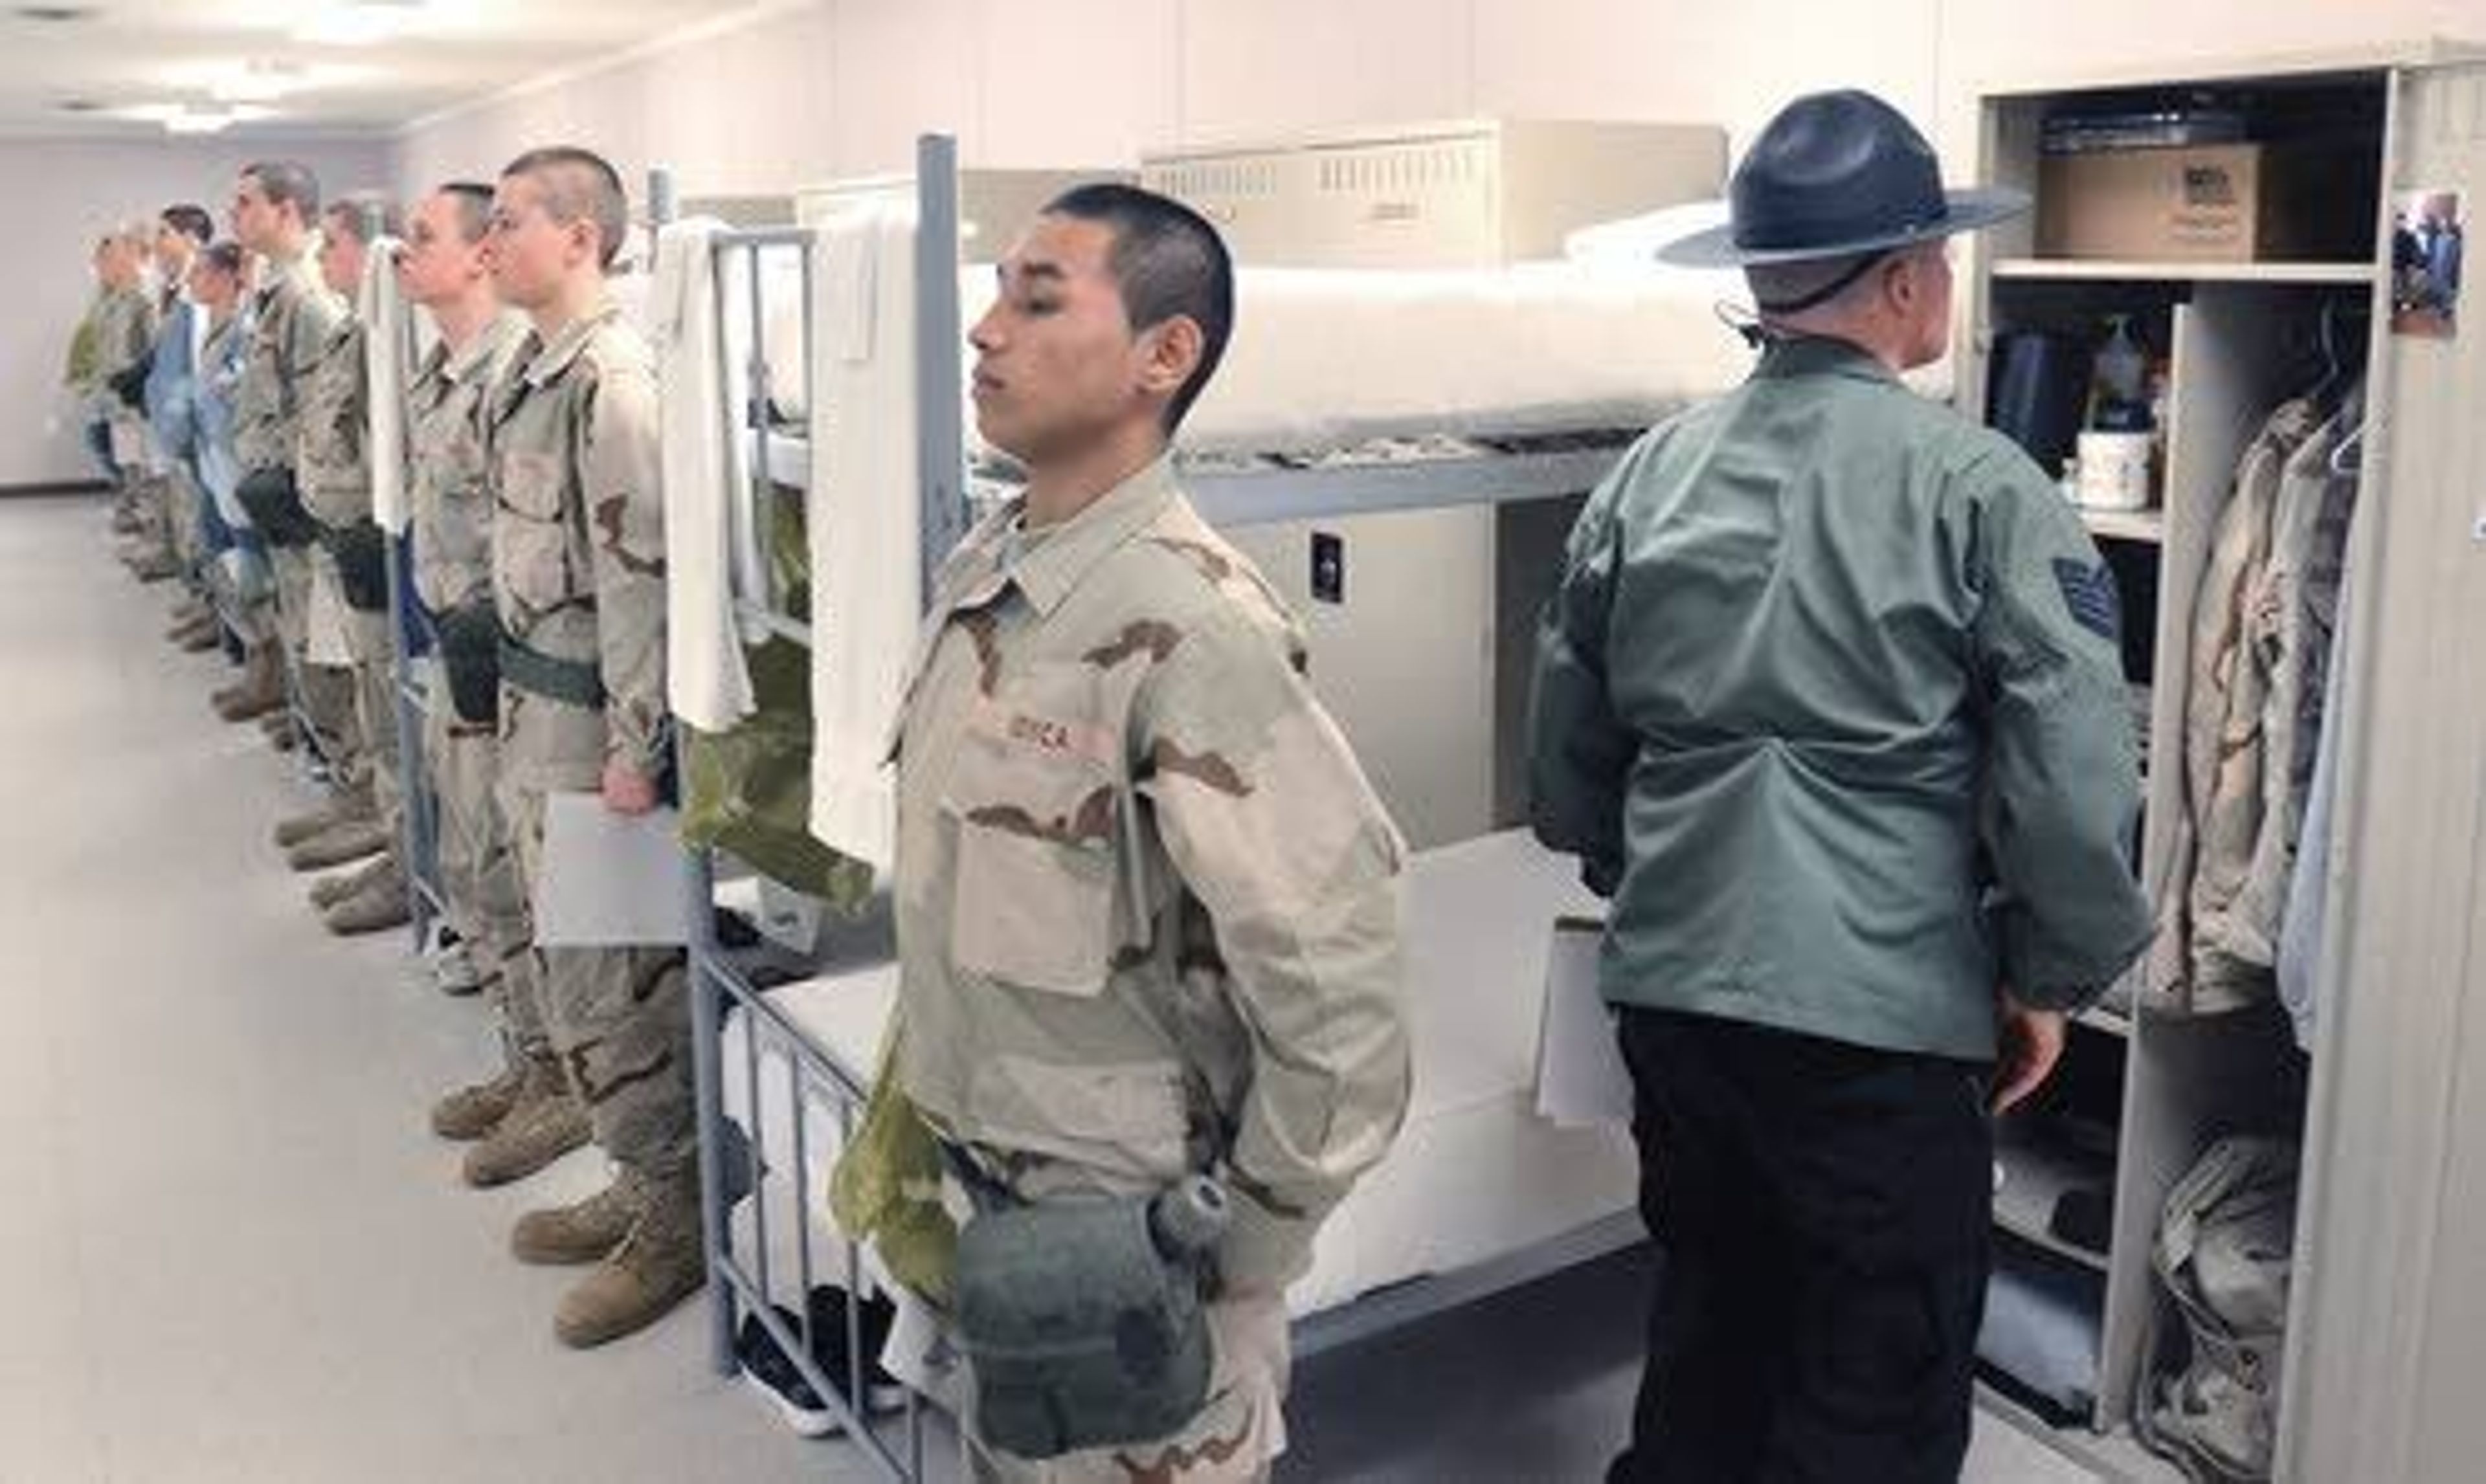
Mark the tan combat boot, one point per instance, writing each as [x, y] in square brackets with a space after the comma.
[546, 1123]
[583, 1231]
[469, 1112]
[260, 691]
[380, 905]
[345, 842]
[294, 828]
[328, 891]
[660, 1263]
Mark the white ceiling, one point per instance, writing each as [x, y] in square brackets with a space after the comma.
[123, 54]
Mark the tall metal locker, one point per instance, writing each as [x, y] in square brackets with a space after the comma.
[2387, 1316]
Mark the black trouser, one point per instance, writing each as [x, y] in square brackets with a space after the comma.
[1824, 1213]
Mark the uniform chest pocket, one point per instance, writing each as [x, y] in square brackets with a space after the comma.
[1037, 834]
[531, 538]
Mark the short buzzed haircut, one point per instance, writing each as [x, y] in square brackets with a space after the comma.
[1169, 262]
[580, 185]
[287, 181]
[365, 216]
[190, 221]
[474, 208]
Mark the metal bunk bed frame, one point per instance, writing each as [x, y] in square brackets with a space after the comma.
[717, 982]
[1226, 496]
[419, 830]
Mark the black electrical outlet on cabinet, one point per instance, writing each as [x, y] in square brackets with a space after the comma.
[1329, 567]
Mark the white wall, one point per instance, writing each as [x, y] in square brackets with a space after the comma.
[810, 92]
[61, 195]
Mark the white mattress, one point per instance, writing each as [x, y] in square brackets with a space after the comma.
[1331, 358]
[1476, 1174]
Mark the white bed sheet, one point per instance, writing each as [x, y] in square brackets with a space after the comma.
[1476, 1176]
[1331, 358]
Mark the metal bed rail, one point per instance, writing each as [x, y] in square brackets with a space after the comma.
[739, 1286]
[1231, 494]
[419, 830]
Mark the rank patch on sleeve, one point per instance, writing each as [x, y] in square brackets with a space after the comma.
[2090, 592]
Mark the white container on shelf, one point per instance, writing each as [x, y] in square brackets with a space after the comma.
[2115, 470]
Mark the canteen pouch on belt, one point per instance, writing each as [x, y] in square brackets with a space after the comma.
[361, 554]
[275, 508]
[129, 383]
[470, 652]
[1083, 1320]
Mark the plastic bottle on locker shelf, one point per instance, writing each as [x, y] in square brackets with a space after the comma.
[2115, 448]
[2122, 378]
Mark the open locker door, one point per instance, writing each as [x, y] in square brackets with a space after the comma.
[2388, 1336]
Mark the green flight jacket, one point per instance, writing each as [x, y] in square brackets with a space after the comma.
[1831, 703]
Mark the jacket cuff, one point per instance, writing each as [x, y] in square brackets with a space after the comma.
[2044, 980]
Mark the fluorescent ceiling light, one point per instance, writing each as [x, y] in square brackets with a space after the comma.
[360, 22]
[257, 82]
[187, 118]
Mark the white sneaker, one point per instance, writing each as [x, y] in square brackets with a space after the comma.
[453, 965]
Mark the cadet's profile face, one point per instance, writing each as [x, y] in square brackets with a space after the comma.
[530, 254]
[211, 286]
[173, 250]
[256, 219]
[438, 262]
[341, 258]
[1056, 361]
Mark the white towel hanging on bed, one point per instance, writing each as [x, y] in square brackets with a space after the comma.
[865, 531]
[704, 473]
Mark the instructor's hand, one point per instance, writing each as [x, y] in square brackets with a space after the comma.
[2031, 1043]
[626, 791]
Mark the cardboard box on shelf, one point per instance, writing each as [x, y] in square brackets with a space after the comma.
[2202, 204]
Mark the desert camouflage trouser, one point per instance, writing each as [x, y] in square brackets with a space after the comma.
[325, 693]
[478, 865]
[618, 1019]
[177, 498]
[372, 765]
[146, 490]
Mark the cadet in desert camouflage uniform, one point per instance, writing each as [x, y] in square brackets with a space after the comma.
[293, 314]
[124, 334]
[578, 575]
[525, 1117]
[334, 470]
[1147, 905]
